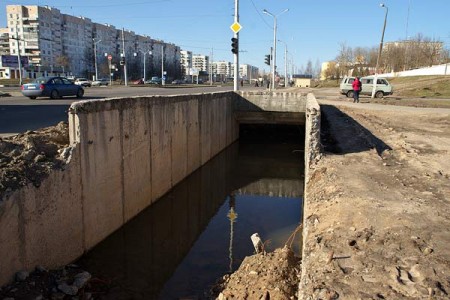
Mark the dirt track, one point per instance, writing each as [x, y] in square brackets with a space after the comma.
[378, 218]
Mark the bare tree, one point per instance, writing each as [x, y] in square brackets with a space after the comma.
[317, 69]
[344, 59]
[309, 68]
[64, 62]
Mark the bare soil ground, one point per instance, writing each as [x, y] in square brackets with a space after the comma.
[378, 217]
[29, 157]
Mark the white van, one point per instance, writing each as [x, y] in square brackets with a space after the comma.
[383, 87]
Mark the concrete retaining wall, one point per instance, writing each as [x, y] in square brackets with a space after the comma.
[313, 150]
[313, 147]
[126, 153]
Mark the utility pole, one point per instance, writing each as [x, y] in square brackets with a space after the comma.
[124, 57]
[211, 67]
[18, 54]
[236, 55]
[375, 79]
[95, 56]
[163, 77]
[274, 42]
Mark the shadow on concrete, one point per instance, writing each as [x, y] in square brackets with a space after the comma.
[341, 134]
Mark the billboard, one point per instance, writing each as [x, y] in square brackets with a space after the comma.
[12, 61]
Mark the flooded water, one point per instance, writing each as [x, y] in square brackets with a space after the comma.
[200, 230]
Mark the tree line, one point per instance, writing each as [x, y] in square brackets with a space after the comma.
[414, 53]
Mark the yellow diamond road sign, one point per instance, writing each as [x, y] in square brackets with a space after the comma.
[236, 27]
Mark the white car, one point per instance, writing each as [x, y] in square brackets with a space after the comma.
[83, 82]
[100, 82]
[384, 88]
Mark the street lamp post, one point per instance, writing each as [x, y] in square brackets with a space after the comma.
[274, 60]
[145, 54]
[285, 63]
[95, 56]
[375, 79]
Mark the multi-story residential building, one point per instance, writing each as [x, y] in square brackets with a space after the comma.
[77, 45]
[186, 62]
[56, 42]
[221, 70]
[200, 63]
[248, 72]
[4, 41]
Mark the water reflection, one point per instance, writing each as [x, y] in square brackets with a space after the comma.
[201, 229]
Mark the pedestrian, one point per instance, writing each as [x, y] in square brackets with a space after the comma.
[268, 84]
[356, 89]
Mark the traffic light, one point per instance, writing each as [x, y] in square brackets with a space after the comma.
[267, 61]
[234, 45]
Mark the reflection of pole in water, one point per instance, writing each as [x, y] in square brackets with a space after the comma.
[232, 216]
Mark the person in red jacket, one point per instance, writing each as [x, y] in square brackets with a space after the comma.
[356, 89]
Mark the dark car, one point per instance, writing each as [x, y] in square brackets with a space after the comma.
[53, 87]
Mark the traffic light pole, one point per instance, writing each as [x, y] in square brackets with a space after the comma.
[236, 55]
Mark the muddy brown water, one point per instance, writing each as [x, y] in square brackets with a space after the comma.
[200, 230]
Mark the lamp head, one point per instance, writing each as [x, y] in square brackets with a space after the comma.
[382, 5]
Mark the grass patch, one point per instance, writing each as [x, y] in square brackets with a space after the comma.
[328, 83]
[422, 86]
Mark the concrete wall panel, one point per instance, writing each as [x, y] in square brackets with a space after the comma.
[193, 136]
[179, 141]
[12, 252]
[162, 116]
[53, 218]
[102, 171]
[205, 129]
[136, 133]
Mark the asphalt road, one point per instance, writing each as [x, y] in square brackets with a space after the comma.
[19, 114]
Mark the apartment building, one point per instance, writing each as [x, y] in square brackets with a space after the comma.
[4, 41]
[186, 62]
[200, 63]
[221, 70]
[60, 43]
[248, 72]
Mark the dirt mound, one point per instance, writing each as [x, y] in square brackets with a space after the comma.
[263, 276]
[29, 157]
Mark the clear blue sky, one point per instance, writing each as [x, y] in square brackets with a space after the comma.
[312, 29]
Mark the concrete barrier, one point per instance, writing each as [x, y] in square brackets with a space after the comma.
[313, 152]
[125, 154]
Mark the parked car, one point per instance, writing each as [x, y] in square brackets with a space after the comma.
[53, 87]
[177, 81]
[383, 87]
[83, 82]
[139, 81]
[154, 80]
[100, 82]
